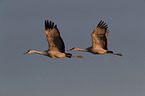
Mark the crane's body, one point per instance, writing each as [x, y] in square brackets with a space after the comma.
[99, 41]
[55, 42]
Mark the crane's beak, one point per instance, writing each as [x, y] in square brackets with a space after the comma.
[25, 53]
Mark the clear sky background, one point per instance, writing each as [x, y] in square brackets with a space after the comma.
[22, 28]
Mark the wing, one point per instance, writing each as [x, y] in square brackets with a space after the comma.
[100, 36]
[55, 42]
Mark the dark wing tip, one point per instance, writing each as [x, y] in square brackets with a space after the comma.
[49, 24]
[55, 26]
[102, 25]
[99, 23]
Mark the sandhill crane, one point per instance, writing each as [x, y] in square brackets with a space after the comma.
[55, 42]
[99, 41]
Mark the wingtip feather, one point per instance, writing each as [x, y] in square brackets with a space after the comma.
[49, 24]
[102, 25]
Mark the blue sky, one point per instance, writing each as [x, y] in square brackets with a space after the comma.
[22, 28]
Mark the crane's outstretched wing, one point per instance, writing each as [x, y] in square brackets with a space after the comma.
[55, 42]
[100, 36]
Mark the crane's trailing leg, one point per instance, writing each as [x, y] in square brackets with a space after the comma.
[111, 52]
[69, 55]
[119, 54]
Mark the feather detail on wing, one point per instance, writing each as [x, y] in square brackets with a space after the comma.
[55, 42]
[100, 36]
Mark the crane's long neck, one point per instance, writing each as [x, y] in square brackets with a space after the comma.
[38, 52]
[84, 50]
[34, 51]
[78, 49]
[119, 54]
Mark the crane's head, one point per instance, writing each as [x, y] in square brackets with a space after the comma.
[29, 51]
